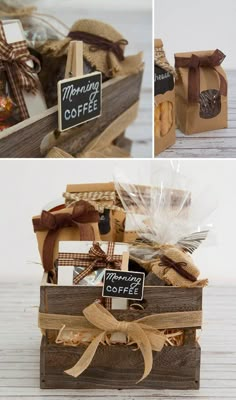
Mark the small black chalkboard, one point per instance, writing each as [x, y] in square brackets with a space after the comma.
[163, 81]
[79, 100]
[125, 284]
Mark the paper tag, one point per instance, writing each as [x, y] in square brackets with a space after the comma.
[124, 284]
[79, 100]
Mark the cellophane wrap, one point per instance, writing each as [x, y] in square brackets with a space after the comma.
[167, 209]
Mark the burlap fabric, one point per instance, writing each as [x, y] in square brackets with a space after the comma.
[102, 60]
[174, 277]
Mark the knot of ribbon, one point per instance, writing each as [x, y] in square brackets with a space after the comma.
[14, 58]
[147, 337]
[194, 63]
[98, 322]
[177, 266]
[100, 43]
[82, 214]
[96, 258]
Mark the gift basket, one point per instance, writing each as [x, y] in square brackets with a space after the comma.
[121, 297]
[31, 100]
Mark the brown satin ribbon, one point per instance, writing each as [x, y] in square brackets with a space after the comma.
[83, 214]
[177, 266]
[100, 43]
[13, 60]
[194, 63]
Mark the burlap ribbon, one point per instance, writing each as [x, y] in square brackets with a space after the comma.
[96, 258]
[194, 63]
[169, 263]
[83, 214]
[13, 60]
[99, 322]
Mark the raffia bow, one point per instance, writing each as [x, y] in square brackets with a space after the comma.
[82, 214]
[96, 258]
[99, 322]
[13, 59]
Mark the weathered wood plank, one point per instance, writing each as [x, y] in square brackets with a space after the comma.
[119, 367]
[24, 139]
[71, 300]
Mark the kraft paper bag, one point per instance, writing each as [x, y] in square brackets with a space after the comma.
[201, 91]
[164, 99]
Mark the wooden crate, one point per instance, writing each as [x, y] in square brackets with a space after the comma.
[35, 137]
[117, 366]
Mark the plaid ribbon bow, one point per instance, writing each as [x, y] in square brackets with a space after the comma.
[96, 258]
[13, 60]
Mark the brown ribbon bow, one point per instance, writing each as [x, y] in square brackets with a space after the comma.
[100, 43]
[96, 258]
[177, 266]
[13, 59]
[194, 63]
[83, 214]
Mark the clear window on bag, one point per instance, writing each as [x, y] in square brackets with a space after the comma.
[163, 118]
[210, 103]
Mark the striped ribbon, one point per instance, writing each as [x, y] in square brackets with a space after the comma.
[192, 242]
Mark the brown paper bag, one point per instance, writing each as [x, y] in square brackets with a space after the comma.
[62, 234]
[111, 224]
[201, 91]
[164, 98]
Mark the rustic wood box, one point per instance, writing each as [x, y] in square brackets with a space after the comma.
[117, 366]
[35, 137]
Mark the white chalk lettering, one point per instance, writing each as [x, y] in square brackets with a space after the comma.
[71, 91]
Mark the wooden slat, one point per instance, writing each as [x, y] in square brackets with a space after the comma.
[71, 300]
[24, 139]
[114, 367]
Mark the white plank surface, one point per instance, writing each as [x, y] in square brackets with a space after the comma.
[20, 341]
[136, 26]
[213, 144]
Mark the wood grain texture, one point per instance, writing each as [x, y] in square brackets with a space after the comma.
[31, 133]
[213, 144]
[119, 367]
[20, 341]
[71, 300]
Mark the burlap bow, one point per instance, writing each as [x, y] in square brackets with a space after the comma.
[100, 322]
[194, 63]
[83, 214]
[13, 59]
[96, 258]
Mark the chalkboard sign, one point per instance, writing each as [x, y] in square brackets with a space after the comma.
[163, 81]
[79, 100]
[125, 284]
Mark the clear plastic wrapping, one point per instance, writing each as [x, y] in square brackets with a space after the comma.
[164, 214]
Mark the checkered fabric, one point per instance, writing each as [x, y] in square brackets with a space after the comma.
[21, 76]
[96, 258]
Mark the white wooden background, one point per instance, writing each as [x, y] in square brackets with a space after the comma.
[20, 341]
[135, 23]
[213, 144]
